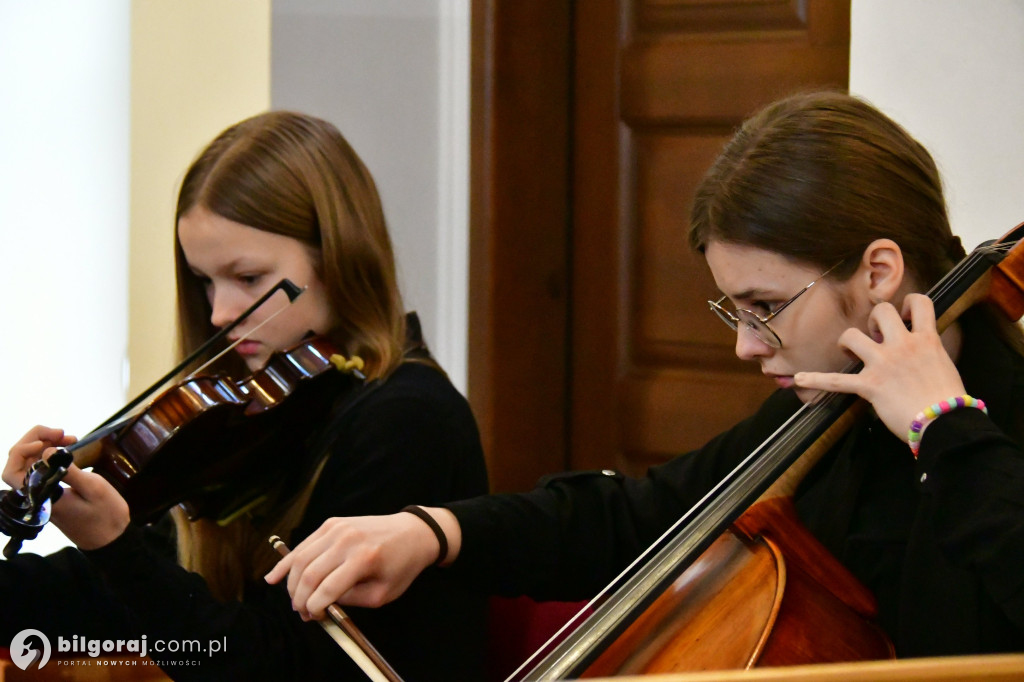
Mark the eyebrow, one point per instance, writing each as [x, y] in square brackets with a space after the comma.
[235, 265]
[749, 294]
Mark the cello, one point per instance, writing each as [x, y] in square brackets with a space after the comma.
[711, 591]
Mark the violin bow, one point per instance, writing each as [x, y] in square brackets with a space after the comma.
[291, 289]
[24, 512]
[115, 421]
[352, 641]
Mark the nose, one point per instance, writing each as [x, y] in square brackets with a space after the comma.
[224, 308]
[748, 346]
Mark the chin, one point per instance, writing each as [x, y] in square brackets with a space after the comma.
[254, 363]
[806, 395]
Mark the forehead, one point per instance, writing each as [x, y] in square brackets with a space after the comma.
[211, 242]
[741, 270]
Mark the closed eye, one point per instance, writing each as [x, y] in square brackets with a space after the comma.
[763, 308]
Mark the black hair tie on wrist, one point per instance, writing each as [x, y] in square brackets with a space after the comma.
[442, 541]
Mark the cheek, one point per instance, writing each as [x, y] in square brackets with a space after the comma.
[321, 312]
[816, 339]
[308, 313]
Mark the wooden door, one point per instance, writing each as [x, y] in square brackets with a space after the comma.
[591, 342]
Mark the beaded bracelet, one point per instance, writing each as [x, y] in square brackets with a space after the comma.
[932, 411]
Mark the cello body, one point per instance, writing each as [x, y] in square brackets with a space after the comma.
[737, 581]
[750, 601]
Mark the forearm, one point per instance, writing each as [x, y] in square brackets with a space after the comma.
[972, 475]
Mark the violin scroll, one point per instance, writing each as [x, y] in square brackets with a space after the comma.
[24, 512]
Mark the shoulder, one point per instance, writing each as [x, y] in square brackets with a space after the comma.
[416, 386]
[415, 401]
[409, 439]
[709, 463]
[993, 370]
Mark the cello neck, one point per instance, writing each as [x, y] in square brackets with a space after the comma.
[773, 469]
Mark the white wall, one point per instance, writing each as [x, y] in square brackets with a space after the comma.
[952, 73]
[64, 75]
[393, 75]
[197, 67]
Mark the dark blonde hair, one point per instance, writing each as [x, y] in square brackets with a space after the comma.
[293, 175]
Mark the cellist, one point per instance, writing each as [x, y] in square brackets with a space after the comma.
[278, 195]
[821, 221]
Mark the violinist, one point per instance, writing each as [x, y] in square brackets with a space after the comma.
[279, 195]
[821, 221]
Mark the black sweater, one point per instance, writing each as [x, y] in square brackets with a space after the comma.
[412, 440]
[940, 540]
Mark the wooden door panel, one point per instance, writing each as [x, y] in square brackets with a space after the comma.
[519, 236]
[682, 77]
[720, 15]
[666, 325]
[681, 82]
[682, 381]
[667, 412]
[591, 344]
[705, 60]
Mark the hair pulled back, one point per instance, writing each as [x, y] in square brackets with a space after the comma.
[817, 177]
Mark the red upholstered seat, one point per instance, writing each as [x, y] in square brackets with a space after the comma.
[520, 626]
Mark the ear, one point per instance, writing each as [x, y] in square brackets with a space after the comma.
[882, 270]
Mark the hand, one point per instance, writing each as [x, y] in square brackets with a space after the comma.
[904, 372]
[361, 561]
[91, 513]
[40, 441]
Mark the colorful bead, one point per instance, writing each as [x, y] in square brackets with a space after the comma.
[931, 412]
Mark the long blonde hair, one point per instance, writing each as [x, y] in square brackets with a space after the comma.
[294, 175]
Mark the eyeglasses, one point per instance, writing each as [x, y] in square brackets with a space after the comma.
[758, 325]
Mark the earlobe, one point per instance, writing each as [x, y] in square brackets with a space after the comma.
[882, 264]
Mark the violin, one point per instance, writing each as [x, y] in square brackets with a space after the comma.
[161, 455]
[710, 592]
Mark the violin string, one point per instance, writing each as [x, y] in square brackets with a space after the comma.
[112, 426]
[286, 285]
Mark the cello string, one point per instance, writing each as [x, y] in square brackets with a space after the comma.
[754, 467]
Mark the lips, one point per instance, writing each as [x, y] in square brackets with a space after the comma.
[248, 348]
[782, 380]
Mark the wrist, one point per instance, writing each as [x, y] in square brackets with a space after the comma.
[922, 420]
[443, 527]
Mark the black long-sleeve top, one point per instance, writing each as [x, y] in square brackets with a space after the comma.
[939, 540]
[412, 440]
